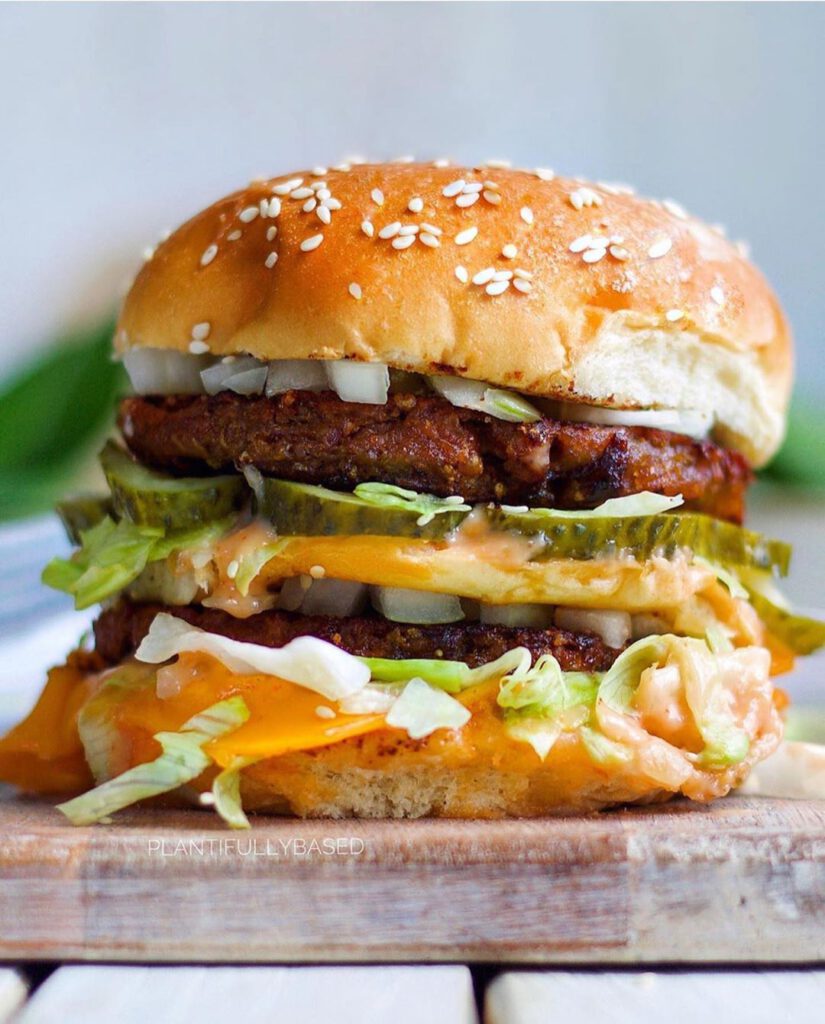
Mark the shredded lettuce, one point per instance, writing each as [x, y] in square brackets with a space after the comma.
[475, 394]
[539, 733]
[226, 792]
[645, 503]
[112, 555]
[427, 505]
[729, 579]
[603, 750]
[544, 691]
[618, 685]
[251, 563]
[421, 709]
[183, 759]
[315, 664]
[451, 676]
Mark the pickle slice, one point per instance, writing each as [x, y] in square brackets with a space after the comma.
[148, 498]
[645, 536]
[799, 632]
[309, 511]
[82, 513]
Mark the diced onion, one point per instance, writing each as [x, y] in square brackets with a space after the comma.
[293, 591]
[475, 394]
[155, 371]
[367, 383]
[245, 376]
[647, 624]
[418, 606]
[612, 627]
[536, 616]
[691, 422]
[334, 597]
[295, 375]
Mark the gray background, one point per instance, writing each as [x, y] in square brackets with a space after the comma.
[119, 120]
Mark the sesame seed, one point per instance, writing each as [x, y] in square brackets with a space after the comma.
[232, 569]
[271, 260]
[433, 230]
[317, 572]
[717, 295]
[466, 236]
[416, 204]
[428, 239]
[367, 227]
[599, 242]
[509, 251]
[233, 236]
[390, 230]
[521, 285]
[472, 186]
[405, 159]
[310, 205]
[544, 173]
[355, 290]
[343, 167]
[332, 203]
[593, 255]
[525, 275]
[491, 185]
[584, 197]
[198, 348]
[526, 214]
[466, 199]
[503, 275]
[461, 274]
[442, 161]
[580, 244]
[263, 207]
[403, 241]
[311, 243]
[498, 163]
[377, 196]
[201, 331]
[453, 188]
[287, 186]
[492, 197]
[322, 711]
[661, 247]
[249, 214]
[274, 207]
[409, 229]
[323, 215]
[675, 208]
[209, 254]
[321, 190]
[497, 287]
[673, 315]
[618, 253]
[319, 172]
[271, 232]
[483, 276]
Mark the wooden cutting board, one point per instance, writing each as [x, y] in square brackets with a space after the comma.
[742, 880]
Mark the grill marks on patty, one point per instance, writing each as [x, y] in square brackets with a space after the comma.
[426, 444]
[119, 630]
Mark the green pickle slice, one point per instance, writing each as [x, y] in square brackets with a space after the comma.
[148, 498]
[82, 513]
[799, 632]
[304, 510]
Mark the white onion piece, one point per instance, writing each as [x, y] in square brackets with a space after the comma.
[155, 371]
[255, 479]
[612, 627]
[418, 606]
[647, 624]
[250, 382]
[475, 394]
[334, 597]
[218, 376]
[293, 592]
[367, 383]
[536, 616]
[691, 422]
[295, 375]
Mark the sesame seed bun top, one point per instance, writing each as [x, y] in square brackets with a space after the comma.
[538, 283]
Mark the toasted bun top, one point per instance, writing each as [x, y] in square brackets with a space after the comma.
[615, 300]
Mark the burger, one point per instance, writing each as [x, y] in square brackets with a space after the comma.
[428, 500]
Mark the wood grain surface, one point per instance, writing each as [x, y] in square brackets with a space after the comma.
[742, 880]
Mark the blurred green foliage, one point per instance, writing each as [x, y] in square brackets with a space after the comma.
[54, 412]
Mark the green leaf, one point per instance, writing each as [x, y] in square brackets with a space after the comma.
[182, 760]
[390, 496]
[545, 691]
[50, 414]
[226, 792]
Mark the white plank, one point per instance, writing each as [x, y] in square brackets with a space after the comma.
[215, 995]
[13, 990]
[639, 997]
